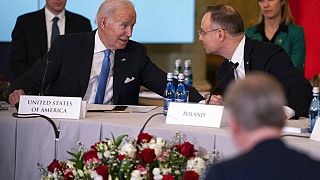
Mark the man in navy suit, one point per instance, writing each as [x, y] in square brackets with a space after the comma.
[76, 60]
[222, 33]
[255, 105]
[31, 36]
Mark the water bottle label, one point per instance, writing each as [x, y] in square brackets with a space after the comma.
[188, 82]
[312, 120]
[180, 100]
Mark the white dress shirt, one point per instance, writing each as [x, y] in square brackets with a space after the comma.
[98, 56]
[238, 57]
[61, 23]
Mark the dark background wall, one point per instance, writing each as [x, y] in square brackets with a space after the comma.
[4, 61]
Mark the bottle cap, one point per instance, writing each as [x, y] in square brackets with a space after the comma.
[187, 63]
[315, 90]
[180, 76]
[169, 75]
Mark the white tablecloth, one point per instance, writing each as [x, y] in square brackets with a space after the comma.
[25, 142]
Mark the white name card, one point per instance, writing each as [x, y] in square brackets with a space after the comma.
[196, 115]
[51, 106]
[315, 135]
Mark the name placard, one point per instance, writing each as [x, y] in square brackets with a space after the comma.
[315, 135]
[51, 106]
[196, 115]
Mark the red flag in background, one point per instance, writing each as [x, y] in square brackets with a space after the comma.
[307, 14]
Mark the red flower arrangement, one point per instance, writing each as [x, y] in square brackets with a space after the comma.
[125, 158]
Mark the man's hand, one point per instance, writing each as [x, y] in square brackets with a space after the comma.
[215, 99]
[15, 96]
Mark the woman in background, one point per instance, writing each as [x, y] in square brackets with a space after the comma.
[276, 25]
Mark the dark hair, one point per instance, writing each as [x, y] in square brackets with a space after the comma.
[227, 17]
[257, 101]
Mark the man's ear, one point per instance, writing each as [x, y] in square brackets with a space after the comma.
[104, 22]
[221, 34]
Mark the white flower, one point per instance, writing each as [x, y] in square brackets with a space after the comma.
[161, 141]
[70, 164]
[74, 171]
[107, 154]
[157, 149]
[96, 176]
[100, 155]
[80, 172]
[156, 171]
[152, 141]
[156, 174]
[128, 149]
[166, 171]
[196, 164]
[136, 175]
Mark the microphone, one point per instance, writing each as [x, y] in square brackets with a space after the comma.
[147, 121]
[233, 67]
[42, 88]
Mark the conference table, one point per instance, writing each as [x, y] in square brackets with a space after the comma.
[26, 142]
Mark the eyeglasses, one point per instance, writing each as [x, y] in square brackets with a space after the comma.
[203, 33]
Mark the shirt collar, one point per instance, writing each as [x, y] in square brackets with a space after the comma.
[50, 15]
[98, 45]
[238, 54]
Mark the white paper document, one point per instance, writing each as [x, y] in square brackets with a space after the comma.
[99, 107]
[140, 109]
[296, 126]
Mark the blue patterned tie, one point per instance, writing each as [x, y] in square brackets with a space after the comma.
[103, 77]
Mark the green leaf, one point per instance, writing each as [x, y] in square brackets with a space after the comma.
[119, 140]
[113, 137]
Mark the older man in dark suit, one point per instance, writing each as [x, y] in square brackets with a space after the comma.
[256, 117]
[222, 33]
[34, 32]
[103, 66]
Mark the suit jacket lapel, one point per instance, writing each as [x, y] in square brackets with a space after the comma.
[119, 75]
[85, 60]
[69, 23]
[280, 38]
[42, 31]
[247, 53]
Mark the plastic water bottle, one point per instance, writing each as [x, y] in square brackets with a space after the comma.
[169, 93]
[178, 68]
[187, 72]
[181, 94]
[314, 108]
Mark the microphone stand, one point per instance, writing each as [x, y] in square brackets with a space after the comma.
[147, 121]
[55, 129]
[234, 66]
[42, 91]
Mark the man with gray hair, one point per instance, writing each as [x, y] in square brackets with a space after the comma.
[222, 33]
[255, 107]
[103, 66]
